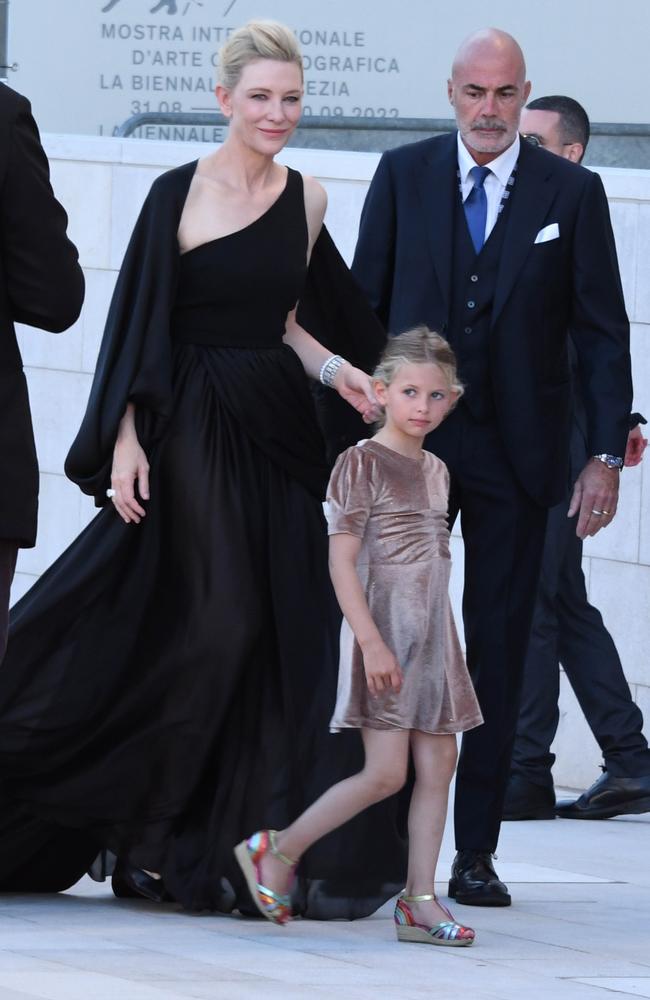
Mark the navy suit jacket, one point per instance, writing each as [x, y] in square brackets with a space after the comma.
[403, 263]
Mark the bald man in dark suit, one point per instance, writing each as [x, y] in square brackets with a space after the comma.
[502, 248]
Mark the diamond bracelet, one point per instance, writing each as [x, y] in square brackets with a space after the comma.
[329, 369]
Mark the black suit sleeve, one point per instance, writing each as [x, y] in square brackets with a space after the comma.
[44, 282]
[374, 264]
[599, 325]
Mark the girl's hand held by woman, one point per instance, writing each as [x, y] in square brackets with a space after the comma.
[355, 387]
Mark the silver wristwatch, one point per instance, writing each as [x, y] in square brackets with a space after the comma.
[611, 461]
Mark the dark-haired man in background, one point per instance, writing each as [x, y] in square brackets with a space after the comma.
[558, 124]
[566, 628]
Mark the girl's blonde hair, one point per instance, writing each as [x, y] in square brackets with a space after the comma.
[419, 346]
[256, 40]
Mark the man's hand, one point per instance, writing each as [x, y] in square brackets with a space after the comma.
[595, 496]
[636, 445]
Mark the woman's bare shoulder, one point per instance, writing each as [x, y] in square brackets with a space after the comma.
[315, 192]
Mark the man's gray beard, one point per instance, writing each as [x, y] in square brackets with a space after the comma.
[473, 141]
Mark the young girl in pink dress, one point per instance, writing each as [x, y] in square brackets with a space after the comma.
[402, 678]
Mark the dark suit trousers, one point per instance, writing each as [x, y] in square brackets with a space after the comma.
[8, 555]
[503, 533]
[568, 630]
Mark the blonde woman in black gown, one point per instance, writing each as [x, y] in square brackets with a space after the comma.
[169, 679]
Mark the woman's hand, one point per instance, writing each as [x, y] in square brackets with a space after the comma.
[355, 387]
[383, 672]
[130, 466]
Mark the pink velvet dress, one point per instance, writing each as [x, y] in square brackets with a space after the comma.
[398, 507]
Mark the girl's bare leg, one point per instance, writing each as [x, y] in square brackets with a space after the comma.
[383, 774]
[435, 761]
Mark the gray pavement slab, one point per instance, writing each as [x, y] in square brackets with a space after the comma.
[579, 928]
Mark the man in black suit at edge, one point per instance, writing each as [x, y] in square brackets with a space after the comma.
[41, 283]
[566, 627]
[502, 261]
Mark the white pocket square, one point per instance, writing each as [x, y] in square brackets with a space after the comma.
[551, 232]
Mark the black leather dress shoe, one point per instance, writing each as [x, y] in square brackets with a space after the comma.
[525, 800]
[609, 796]
[474, 881]
[128, 882]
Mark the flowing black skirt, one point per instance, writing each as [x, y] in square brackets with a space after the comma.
[168, 686]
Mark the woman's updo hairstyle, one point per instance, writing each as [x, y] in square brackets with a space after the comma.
[418, 346]
[256, 40]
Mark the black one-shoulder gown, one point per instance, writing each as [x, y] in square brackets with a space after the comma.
[168, 685]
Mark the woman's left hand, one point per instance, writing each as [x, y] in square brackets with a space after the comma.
[355, 387]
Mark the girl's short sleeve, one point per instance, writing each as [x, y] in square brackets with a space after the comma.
[350, 493]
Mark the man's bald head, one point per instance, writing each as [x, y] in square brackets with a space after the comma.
[488, 89]
[489, 44]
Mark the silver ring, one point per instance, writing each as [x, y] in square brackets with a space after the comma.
[608, 512]
[110, 494]
[599, 513]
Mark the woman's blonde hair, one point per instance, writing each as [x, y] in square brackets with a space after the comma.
[256, 40]
[419, 346]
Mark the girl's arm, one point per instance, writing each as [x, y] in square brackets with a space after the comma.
[130, 465]
[382, 669]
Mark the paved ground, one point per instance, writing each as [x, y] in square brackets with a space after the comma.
[580, 925]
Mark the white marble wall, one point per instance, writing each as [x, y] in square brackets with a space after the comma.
[102, 183]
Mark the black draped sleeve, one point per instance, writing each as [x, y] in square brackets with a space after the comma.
[135, 358]
[334, 310]
[134, 362]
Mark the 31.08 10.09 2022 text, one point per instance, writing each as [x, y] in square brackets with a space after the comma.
[336, 111]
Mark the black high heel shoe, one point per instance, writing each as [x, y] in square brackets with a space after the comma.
[128, 882]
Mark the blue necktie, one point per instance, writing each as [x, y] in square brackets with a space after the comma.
[475, 206]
